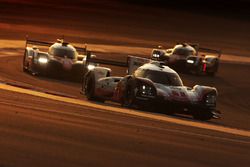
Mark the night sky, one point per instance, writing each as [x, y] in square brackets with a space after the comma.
[229, 8]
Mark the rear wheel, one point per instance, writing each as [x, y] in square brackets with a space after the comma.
[199, 69]
[89, 86]
[215, 69]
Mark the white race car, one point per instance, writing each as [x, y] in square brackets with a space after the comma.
[189, 58]
[151, 85]
[62, 59]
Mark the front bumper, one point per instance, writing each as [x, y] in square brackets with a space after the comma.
[159, 103]
[56, 69]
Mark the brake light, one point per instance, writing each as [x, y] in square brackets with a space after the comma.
[204, 67]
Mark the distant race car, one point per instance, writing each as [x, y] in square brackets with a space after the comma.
[189, 58]
[151, 85]
[62, 59]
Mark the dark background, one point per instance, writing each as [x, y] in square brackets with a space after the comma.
[229, 8]
[238, 9]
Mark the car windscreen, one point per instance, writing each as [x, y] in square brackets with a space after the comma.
[64, 52]
[183, 52]
[42, 55]
[161, 77]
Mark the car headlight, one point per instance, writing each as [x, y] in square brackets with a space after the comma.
[210, 99]
[190, 61]
[91, 67]
[43, 60]
[156, 55]
[146, 90]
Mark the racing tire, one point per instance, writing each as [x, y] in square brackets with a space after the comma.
[129, 97]
[89, 87]
[25, 68]
[215, 69]
[199, 69]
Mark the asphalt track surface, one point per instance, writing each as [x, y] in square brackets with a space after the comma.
[49, 129]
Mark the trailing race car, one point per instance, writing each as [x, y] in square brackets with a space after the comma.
[151, 85]
[62, 59]
[185, 58]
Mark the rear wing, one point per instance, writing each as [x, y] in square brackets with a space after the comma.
[197, 47]
[132, 62]
[203, 49]
[48, 44]
[208, 50]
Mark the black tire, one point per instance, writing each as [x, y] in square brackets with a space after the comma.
[215, 69]
[199, 69]
[25, 68]
[89, 87]
[129, 97]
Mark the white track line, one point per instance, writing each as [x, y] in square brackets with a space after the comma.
[217, 128]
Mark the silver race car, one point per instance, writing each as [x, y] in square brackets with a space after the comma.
[152, 85]
[189, 58]
[61, 59]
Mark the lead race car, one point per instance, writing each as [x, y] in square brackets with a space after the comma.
[152, 84]
[61, 59]
[189, 58]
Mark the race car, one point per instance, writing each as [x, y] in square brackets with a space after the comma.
[151, 85]
[189, 58]
[61, 59]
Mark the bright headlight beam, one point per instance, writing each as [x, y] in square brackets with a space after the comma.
[156, 55]
[190, 61]
[91, 67]
[42, 60]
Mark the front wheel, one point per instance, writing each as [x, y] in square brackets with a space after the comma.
[213, 71]
[89, 88]
[129, 97]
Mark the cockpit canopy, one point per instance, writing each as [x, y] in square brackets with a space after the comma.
[161, 77]
[60, 50]
[184, 50]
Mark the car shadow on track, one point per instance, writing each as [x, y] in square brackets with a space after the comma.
[175, 115]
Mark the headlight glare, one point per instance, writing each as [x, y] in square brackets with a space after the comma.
[156, 55]
[147, 90]
[190, 61]
[42, 60]
[91, 67]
